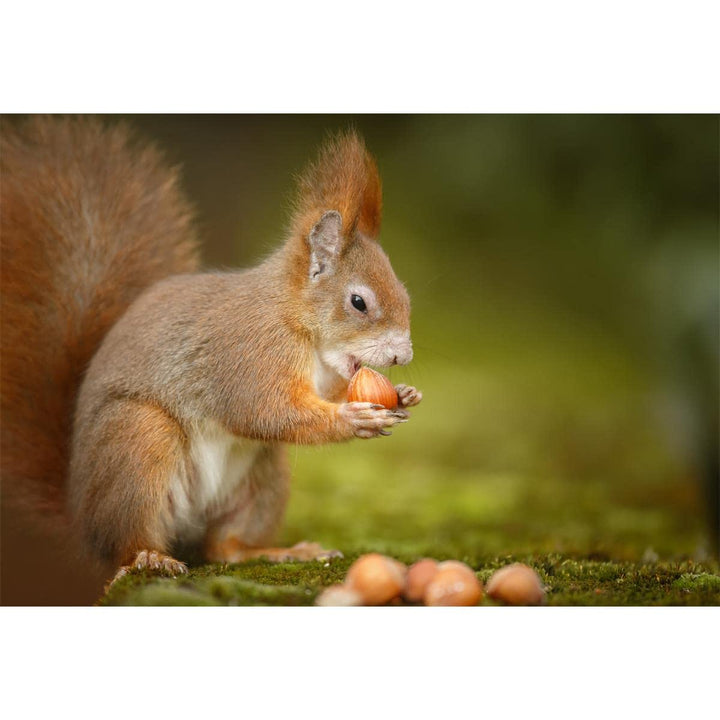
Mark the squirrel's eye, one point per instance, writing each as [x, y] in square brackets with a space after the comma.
[358, 303]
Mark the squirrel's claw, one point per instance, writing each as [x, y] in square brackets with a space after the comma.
[155, 562]
[367, 420]
[313, 551]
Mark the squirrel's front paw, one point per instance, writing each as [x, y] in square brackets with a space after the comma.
[367, 420]
[408, 396]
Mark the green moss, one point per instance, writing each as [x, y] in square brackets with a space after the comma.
[546, 455]
[568, 581]
[698, 583]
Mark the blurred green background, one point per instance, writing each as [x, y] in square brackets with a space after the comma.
[564, 278]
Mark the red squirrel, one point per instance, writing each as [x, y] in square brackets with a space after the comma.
[150, 403]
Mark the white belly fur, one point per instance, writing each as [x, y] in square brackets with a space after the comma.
[324, 378]
[220, 462]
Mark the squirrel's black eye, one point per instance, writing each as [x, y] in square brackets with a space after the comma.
[358, 303]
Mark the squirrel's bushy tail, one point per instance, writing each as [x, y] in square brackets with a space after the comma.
[89, 218]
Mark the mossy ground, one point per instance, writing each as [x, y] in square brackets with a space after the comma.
[567, 581]
[586, 493]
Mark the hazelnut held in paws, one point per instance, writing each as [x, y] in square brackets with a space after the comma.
[367, 385]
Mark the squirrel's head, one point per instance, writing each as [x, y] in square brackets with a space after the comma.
[361, 310]
[358, 309]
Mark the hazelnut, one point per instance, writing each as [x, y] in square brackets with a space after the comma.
[338, 596]
[454, 583]
[516, 584]
[378, 579]
[367, 385]
[418, 577]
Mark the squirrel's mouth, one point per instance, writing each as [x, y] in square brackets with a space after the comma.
[355, 364]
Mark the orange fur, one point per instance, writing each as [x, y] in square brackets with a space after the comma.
[89, 218]
[344, 178]
[116, 515]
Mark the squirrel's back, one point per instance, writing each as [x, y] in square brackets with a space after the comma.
[89, 218]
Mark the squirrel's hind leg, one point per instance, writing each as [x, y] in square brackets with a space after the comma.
[123, 465]
[246, 530]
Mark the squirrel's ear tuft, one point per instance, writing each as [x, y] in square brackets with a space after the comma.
[326, 242]
[343, 178]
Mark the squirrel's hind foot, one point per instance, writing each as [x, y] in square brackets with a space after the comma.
[155, 562]
[233, 551]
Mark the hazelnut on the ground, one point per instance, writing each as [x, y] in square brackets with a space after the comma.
[377, 579]
[516, 584]
[339, 596]
[454, 583]
[418, 577]
[367, 385]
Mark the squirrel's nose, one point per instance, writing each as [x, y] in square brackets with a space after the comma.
[404, 356]
[396, 349]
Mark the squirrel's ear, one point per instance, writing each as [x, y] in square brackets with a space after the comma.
[325, 241]
[345, 178]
